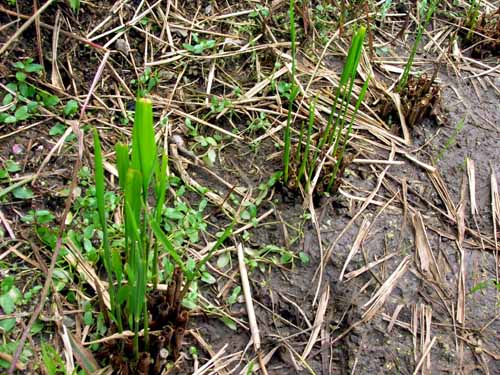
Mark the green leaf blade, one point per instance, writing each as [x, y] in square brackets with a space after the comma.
[143, 140]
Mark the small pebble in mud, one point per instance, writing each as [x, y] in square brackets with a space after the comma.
[163, 353]
[167, 75]
[17, 149]
[178, 140]
[121, 45]
[355, 338]
[68, 322]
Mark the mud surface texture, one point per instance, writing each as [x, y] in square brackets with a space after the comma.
[394, 271]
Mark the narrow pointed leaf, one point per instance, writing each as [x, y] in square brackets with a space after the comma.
[133, 188]
[166, 242]
[99, 187]
[122, 163]
[348, 133]
[143, 140]
[161, 186]
[136, 266]
[99, 181]
[305, 158]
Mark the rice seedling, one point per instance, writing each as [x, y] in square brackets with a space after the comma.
[480, 29]
[135, 177]
[340, 146]
[472, 17]
[293, 93]
[131, 270]
[305, 158]
[332, 136]
[335, 137]
[421, 26]
[451, 140]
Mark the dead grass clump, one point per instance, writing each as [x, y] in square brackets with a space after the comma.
[168, 319]
[420, 98]
[484, 35]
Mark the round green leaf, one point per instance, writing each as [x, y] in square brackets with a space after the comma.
[9, 120]
[32, 106]
[208, 278]
[230, 323]
[223, 260]
[304, 258]
[33, 68]
[20, 76]
[22, 113]
[6, 325]
[57, 129]
[7, 99]
[71, 107]
[26, 90]
[12, 166]
[50, 100]
[23, 193]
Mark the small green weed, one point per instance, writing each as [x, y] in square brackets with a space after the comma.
[146, 82]
[484, 285]
[271, 255]
[451, 140]
[205, 146]
[426, 11]
[260, 122]
[10, 295]
[259, 10]
[22, 91]
[200, 45]
[38, 217]
[285, 89]
[385, 9]
[323, 18]
[71, 108]
[9, 166]
[9, 348]
[234, 296]
[256, 20]
[265, 187]
[52, 360]
[217, 105]
[12, 299]
[184, 222]
[74, 5]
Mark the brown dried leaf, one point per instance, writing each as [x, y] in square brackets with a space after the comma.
[425, 257]
[378, 299]
[363, 231]
[83, 356]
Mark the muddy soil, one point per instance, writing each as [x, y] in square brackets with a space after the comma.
[285, 296]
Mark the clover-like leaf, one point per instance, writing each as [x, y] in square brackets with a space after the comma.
[23, 193]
